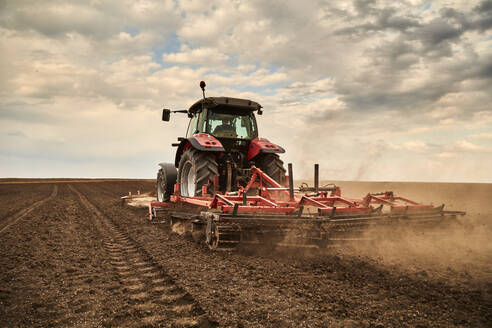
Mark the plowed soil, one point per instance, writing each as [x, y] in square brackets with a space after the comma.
[79, 258]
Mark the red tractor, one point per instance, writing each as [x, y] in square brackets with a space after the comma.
[220, 147]
[238, 180]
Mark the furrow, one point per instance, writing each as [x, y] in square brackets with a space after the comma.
[153, 296]
[8, 222]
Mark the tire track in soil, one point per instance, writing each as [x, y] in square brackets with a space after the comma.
[153, 296]
[47, 278]
[8, 222]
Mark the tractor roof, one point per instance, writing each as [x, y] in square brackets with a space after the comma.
[225, 102]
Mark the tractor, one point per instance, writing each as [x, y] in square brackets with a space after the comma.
[238, 182]
[221, 146]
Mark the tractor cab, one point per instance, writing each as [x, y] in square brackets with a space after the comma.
[230, 120]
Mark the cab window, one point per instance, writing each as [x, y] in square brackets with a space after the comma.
[201, 120]
[228, 124]
[192, 126]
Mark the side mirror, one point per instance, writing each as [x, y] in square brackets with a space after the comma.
[166, 114]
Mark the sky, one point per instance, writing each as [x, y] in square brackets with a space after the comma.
[370, 90]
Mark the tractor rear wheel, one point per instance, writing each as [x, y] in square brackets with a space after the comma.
[273, 166]
[196, 169]
[166, 178]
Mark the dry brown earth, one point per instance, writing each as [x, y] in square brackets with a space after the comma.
[82, 259]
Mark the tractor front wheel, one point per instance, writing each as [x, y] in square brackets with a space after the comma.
[196, 169]
[166, 178]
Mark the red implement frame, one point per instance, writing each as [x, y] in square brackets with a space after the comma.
[396, 203]
[275, 199]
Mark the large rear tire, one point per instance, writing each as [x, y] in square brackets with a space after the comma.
[196, 169]
[166, 178]
[273, 166]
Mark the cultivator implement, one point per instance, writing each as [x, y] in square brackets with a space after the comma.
[266, 212]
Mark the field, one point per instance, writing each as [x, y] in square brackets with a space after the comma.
[74, 256]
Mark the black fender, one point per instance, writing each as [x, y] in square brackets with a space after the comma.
[167, 167]
[169, 171]
[170, 176]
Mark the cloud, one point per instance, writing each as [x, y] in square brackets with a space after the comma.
[417, 146]
[197, 56]
[19, 134]
[446, 155]
[370, 89]
[482, 136]
[25, 112]
[463, 145]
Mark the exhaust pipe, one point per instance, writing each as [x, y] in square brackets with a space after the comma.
[291, 183]
[316, 178]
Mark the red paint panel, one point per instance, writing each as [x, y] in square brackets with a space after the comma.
[206, 140]
[258, 144]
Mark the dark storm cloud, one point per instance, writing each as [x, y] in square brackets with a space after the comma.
[448, 79]
[484, 7]
[397, 55]
[369, 20]
[484, 20]
[432, 43]
[485, 70]
[411, 100]
[413, 62]
[380, 20]
[436, 32]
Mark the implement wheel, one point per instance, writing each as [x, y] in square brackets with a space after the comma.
[222, 236]
[196, 169]
[166, 178]
[273, 166]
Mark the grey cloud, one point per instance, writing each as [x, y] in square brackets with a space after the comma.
[363, 7]
[369, 20]
[436, 48]
[446, 79]
[379, 20]
[438, 31]
[394, 56]
[480, 18]
[484, 7]
[486, 70]
[388, 20]
[484, 11]
[417, 43]
[409, 101]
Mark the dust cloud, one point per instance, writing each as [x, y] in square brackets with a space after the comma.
[463, 248]
[459, 251]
